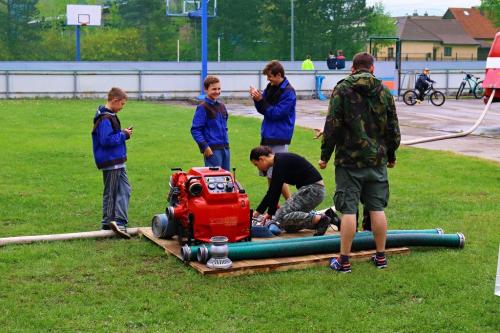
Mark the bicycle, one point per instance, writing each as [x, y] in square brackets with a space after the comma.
[435, 96]
[475, 86]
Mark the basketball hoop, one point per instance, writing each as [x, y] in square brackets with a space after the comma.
[83, 15]
[190, 8]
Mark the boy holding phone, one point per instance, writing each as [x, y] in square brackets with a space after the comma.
[110, 154]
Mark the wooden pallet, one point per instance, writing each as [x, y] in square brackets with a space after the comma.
[243, 267]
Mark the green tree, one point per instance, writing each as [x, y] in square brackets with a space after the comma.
[236, 25]
[21, 28]
[380, 24]
[113, 44]
[158, 34]
[492, 10]
[323, 25]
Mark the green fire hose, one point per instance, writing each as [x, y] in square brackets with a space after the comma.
[261, 250]
[189, 253]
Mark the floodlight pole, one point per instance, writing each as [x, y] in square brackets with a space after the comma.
[398, 56]
[204, 47]
[77, 43]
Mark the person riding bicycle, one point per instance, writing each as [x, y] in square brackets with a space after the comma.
[422, 84]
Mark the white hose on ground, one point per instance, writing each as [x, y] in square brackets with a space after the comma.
[60, 237]
[455, 135]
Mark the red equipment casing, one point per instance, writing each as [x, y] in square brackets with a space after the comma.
[209, 203]
[492, 79]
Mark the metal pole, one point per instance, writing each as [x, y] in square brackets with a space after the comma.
[77, 43]
[204, 48]
[178, 51]
[75, 84]
[7, 88]
[139, 83]
[292, 46]
[398, 64]
[447, 82]
[218, 49]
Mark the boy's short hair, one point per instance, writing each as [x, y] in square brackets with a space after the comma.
[260, 151]
[274, 67]
[116, 93]
[210, 79]
[362, 60]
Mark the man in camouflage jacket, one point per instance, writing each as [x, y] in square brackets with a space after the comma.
[362, 128]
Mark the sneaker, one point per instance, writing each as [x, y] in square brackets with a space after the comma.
[105, 227]
[341, 268]
[334, 219]
[119, 229]
[322, 225]
[379, 262]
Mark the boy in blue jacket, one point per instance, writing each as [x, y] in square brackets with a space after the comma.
[209, 127]
[110, 154]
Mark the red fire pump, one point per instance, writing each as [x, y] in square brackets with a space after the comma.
[203, 203]
[491, 83]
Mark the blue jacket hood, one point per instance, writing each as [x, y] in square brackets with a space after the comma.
[101, 109]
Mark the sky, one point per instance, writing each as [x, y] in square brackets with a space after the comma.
[433, 7]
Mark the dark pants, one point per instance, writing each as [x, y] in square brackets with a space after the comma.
[420, 93]
[115, 197]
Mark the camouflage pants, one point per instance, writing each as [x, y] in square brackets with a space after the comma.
[297, 212]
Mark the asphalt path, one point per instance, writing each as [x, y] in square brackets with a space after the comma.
[418, 121]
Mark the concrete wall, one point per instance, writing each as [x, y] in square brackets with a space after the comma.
[179, 84]
[147, 84]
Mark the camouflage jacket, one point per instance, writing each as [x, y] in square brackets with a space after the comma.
[362, 124]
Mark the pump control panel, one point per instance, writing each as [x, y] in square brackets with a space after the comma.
[219, 184]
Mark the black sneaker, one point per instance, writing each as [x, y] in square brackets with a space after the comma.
[105, 227]
[379, 262]
[322, 225]
[119, 229]
[334, 219]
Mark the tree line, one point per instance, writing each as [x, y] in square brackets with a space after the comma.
[139, 30]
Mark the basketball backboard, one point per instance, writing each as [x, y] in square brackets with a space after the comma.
[83, 15]
[190, 8]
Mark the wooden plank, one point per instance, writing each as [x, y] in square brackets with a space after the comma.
[251, 266]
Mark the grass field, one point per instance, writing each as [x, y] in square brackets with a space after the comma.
[49, 184]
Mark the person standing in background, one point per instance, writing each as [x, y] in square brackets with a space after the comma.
[277, 105]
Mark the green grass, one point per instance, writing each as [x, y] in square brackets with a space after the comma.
[49, 184]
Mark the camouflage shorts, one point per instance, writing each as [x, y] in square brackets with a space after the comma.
[368, 185]
[297, 212]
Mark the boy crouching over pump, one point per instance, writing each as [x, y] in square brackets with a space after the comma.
[209, 127]
[110, 154]
[298, 211]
